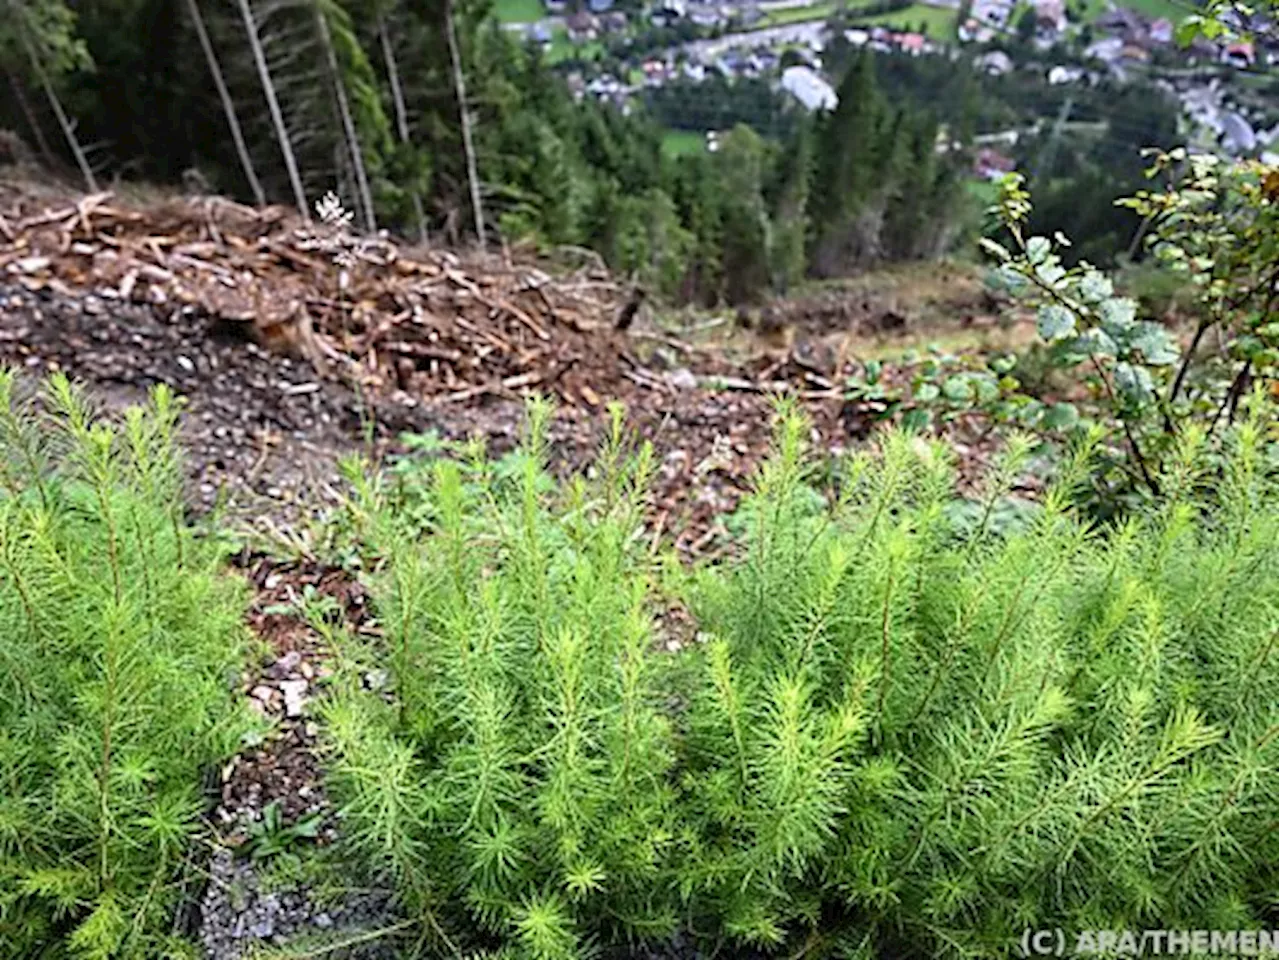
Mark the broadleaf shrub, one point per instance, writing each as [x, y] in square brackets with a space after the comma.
[893, 733]
[1209, 224]
[120, 642]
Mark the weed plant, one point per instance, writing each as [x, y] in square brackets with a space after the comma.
[896, 733]
[119, 645]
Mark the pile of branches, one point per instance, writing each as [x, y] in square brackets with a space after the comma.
[426, 322]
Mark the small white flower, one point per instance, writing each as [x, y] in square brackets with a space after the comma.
[331, 212]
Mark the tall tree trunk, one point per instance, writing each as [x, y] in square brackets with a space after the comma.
[193, 7]
[69, 131]
[402, 116]
[68, 128]
[33, 121]
[348, 126]
[468, 149]
[273, 104]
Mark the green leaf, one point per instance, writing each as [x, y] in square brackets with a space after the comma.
[1246, 347]
[1189, 29]
[307, 827]
[957, 388]
[993, 248]
[1096, 341]
[917, 419]
[1134, 382]
[272, 816]
[1095, 287]
[1156, 344]
[1050, 272]
[1117, 314]
[985, 386]
[1059, 416]
[1053, 322]
[1038, 249]
[926, 392]
[1029, 413]
[1011, 280]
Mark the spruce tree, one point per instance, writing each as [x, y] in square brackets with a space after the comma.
[917, 210]
[747, 228]
[790, 214]
[121, 641]
[901, 726]
[849, 155]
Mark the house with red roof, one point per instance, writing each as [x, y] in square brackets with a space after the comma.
[912, 43]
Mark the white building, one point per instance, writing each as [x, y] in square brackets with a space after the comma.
[994, 13]
[809, 88]
[1059, 75]
[997, 63]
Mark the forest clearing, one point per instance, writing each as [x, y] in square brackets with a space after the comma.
[468, 605]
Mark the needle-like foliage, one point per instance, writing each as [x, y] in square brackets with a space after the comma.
[902, 730]
[119, 643]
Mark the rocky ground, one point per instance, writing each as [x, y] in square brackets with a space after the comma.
[294, 347]
[252, 901]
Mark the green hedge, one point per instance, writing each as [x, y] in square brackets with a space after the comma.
[895, 730]
[120, 643]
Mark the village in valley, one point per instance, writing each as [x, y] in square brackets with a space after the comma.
[616, 53]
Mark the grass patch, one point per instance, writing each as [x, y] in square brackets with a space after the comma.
[680, 143]
[562, 48]
[934, 22]
[518, 11]
[777, 18]
[1151, 9]
[1155, 9]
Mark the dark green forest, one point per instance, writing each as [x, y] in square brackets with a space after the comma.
[282, 102]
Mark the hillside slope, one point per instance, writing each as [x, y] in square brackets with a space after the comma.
[294, 343]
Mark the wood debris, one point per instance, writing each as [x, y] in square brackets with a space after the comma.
[425, 322]
[421, 339]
